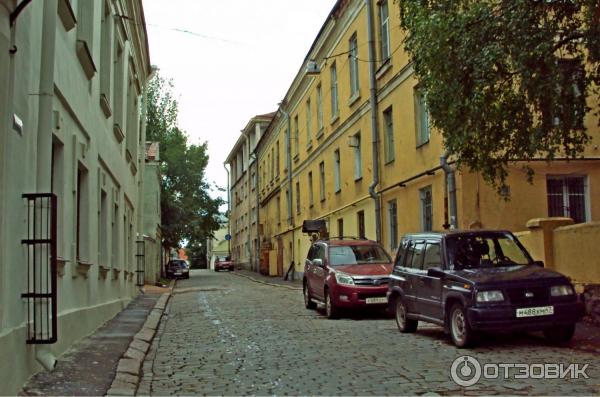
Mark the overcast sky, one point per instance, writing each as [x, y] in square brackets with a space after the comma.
[236, 60]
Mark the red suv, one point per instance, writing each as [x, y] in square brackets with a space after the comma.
[346, 273]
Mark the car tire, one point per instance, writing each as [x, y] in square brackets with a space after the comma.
[331, 311]
[460, 330]
[560, 334]
[308, 303]
[405, 324]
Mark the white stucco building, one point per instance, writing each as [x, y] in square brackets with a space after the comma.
[72, 78]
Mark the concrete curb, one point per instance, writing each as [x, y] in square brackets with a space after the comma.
[266, 283]
[128, 375]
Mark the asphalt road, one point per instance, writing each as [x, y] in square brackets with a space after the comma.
[224, 334]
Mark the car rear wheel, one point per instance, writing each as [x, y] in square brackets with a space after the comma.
[405, 324]
[308, 303]
[560, 334]
[331, 311]
[460, 330]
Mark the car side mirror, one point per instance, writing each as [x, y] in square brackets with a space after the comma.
[539, 263]
[435, 272]
[318, 262]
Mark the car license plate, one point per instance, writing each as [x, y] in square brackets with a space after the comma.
[376, 300]
[535, 311]
[178, 273]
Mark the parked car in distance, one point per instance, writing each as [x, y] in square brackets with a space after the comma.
[178, 268]
[346, 273]
[224, 264]
[469, 281]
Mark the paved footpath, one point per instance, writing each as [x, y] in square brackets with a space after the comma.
[223, 334]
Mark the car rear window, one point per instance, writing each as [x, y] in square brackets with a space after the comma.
[357, 254]
[179, 264]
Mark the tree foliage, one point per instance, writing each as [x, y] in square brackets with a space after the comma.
[506, 80]
[188, 211]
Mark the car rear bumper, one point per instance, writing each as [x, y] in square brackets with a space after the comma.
[505, 319]
[351, 296]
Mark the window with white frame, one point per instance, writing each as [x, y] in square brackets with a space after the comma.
[297, 197]
[393, 224]
[335, 107]
[426, 209]
[421, 118]
[353, 61]
[308, 121]
[311, 200]
[336, 171]
[567, 196]
[322, 180]
[388, 126]
[319, 109]
[296, 140]
[356, 144]
[384, 30]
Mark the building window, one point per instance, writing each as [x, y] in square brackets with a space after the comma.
[384, 30]
[360, 222]
[82, 215]
[310, 190]
[335, 108]
[297, 144]
[340, 226]
[288, 148]
[253, 180]
[319, 109]
[393, 224]
[426, 209]
[298, 197]
[353, 60]
[272, 159]
[567, 196]
[421, 118]
[103, 229]
[322, 180]
[277, 159]
[278, 210]
[116, 238]
[336, 171]
[356, 144]
[308, 121]
[388, 126]
[106, 31]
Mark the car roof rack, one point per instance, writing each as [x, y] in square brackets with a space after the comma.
[346, 238]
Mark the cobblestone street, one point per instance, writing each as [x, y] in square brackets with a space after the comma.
[223, 334]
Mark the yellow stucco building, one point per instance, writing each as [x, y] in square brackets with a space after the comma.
[351, 144]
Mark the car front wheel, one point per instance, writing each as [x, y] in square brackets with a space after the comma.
[460, 330]
[560, 334]
[405, 324]
[331, 311]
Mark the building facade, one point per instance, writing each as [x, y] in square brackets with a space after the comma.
[72, 78]
[243, 225]
[152, 235]
[358, 152]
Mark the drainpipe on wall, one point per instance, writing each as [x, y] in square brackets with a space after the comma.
[289, 175]
[374, 125]
[44, 133]
[257, 267]
[451, 183]
[46, 97]
[228, 213]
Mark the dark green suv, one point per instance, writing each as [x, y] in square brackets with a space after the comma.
[467, 281]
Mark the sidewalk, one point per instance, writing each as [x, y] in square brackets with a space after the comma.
[90, 366]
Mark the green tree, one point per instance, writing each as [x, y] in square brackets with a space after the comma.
[188, 211]
[506, 80]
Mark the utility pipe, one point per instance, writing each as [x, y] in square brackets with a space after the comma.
[374, 124]
[46, 97]
[451, 183]
[228, 214]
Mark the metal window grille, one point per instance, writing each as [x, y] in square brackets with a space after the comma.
[140, 256]
[567, 197]
[41, 295]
